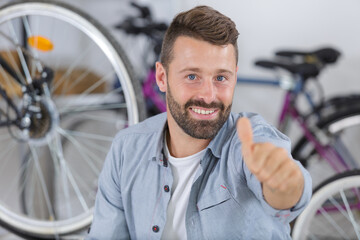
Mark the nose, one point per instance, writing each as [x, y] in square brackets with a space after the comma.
[207, 92]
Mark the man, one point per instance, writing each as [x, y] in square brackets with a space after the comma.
[199, 171]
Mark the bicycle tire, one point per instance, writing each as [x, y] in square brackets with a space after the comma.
[339, 128]
[310, 224]
[96, 88]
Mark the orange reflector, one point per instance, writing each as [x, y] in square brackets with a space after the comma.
[40, 43]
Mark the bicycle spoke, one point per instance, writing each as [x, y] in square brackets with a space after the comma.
[34, 53]
[92, 145]
[6, 194]
[42, 182]
[339, 208]
[10, 56]
[70, 69]
[103, 119]
[94, 86]
[92, 107]
[65, 166]
[84, 152]
[31, 186]
[91, 102]
[8, 83]
[67, 175]
[5, 137]
[25, 177]
[77, 81]
[75, 187]
[58, 157]
[333, 223]
[86, 135]
[4, 155]
[351, 216]
[312, 237]
[20, 54]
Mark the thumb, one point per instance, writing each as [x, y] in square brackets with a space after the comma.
[245, 135]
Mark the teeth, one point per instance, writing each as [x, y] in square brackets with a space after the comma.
[202, 111]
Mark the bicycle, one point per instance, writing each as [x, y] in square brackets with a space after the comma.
[329, 127]
[143, 24]
[333, 211]
[66, 88]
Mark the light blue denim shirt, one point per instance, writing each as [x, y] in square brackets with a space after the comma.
[226, 200]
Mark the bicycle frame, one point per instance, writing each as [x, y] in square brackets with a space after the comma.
[4, 95]
[290, 111]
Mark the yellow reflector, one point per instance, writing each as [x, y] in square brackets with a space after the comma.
[40, 43]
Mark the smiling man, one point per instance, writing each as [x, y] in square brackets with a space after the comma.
[199, 171]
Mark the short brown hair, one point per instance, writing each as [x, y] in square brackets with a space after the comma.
[201, 22]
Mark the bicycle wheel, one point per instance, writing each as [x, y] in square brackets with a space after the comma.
[333, 211]
[340, 132]
[49, 171]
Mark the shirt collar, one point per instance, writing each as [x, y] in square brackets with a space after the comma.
[222, 136]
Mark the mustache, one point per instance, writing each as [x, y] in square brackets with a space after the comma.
[203, 104]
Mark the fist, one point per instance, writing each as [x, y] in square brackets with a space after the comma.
[271, 165]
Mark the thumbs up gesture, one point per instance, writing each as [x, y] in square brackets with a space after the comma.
[281, 178]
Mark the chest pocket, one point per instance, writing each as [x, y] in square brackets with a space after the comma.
[213, 199]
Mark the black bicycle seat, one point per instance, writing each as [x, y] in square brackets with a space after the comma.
[324, 55]
[305, 70]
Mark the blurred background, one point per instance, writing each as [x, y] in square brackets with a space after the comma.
[265, 27]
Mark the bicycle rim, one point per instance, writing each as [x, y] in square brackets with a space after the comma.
[333, 212]
[339, 132]
[51, 171]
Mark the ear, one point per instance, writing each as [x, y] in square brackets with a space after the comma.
[161, 77]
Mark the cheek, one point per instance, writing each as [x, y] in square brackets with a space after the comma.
[226, 94]
[184, 91]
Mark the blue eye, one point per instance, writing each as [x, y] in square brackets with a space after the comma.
[191, 76]
[220, 78]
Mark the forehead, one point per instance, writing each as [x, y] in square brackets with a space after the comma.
[190, 51]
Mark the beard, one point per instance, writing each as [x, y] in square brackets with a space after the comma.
[200, 129]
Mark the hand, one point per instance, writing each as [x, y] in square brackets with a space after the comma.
[272, 166]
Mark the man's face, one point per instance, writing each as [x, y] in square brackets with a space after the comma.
[200, 85]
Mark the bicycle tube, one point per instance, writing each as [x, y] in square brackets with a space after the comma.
[338, 132]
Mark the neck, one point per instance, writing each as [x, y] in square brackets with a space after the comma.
[181, 144]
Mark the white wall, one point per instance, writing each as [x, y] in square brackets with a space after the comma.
[266, 26]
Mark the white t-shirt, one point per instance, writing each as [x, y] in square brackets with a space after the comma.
[184, 170]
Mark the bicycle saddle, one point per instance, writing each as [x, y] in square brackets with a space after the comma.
[324, 55]
[305, 70]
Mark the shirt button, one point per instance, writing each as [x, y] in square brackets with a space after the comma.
[155, 228]
[166, 188]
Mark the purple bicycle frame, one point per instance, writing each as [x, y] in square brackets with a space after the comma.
[150, 93]
[325, 151]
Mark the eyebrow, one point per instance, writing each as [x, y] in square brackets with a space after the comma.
[198, 70]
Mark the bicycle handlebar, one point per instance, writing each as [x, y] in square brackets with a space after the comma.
[144, 10]
[142, 24]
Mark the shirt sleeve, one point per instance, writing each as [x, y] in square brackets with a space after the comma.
[287, 215]
[109, 220]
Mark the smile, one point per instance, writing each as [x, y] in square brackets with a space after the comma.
[202, 111]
